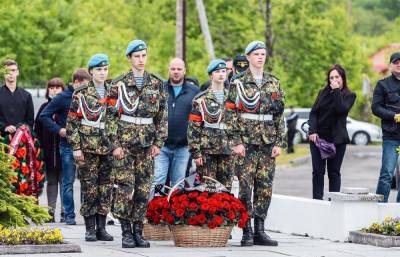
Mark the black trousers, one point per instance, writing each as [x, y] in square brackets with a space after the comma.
[290, 137]
[333, 165]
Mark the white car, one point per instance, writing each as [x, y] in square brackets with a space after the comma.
[361, 133]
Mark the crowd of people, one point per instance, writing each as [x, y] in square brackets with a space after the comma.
[129, 136]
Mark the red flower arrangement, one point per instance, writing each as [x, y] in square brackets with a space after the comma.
[28, 164]
[197, 209]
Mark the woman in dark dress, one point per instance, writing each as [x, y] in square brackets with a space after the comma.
[328, 119]
[50, 144]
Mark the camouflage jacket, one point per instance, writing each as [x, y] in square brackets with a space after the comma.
[265, 101]
[147, 102]
[86, 120]
[203, 136]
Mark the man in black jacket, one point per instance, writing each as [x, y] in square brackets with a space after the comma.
[386, 105]
[16, 105]
[174, 156]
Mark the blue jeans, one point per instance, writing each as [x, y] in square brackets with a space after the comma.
[67, 179]
[172, 161]
[389, 161]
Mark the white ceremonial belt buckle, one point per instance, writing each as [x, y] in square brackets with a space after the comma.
[259, 117]
[136, 120]
[219, 125]
[100, 125]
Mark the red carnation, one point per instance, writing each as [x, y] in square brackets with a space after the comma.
[192, 221]
[185, 204]
[213, 209]
[241, 223]
[204, 207]
[231, 215]
[170, 219]
[156, 219]
[204, 194]
[193, 195]
[179, 213]
[183, 198]
[202, 199]
[212, 201]
[21, 152]
[218, 220]
[24, 169]
[244, 216]
[212, 224]
[175, 206]
[192, 206]
[201, 219]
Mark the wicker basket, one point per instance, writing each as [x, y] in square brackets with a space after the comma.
[156, 232]
[196, 236]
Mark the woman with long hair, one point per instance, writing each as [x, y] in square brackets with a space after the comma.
[328, 119]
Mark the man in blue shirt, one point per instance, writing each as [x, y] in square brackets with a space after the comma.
[59, 106]
[174, 156]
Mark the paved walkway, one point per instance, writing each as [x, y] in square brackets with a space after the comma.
[289, 245]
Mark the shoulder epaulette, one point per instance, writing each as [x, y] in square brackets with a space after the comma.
[81, 87]
[236, 76]
[156, 77]
[273, 77]
[200, 94]
[119, 78]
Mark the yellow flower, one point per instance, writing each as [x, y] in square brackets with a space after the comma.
[388, 219]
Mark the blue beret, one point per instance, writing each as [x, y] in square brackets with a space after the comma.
[98, 60]
[135, 46]
[254, 46]
[216, 64]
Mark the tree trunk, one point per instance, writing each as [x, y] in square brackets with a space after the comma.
[204, 28]
[180, 29]
[269, 39]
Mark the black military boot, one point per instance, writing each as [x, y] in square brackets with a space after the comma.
[127, 237]
[137, 235]
[101, 232]
[260, 238]
[247, 238]
[90, 224]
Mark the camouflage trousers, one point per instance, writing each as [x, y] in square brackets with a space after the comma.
[219, 167]
[256, 173]
[132, 183]
[94, 175]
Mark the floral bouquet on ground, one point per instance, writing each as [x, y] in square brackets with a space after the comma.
[28, 164]
[198, 216]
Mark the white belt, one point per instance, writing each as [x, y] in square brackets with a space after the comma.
[100, 125]
[219, 125]
[136, 120]
[259, 117]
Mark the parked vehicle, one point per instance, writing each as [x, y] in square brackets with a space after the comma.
[360, 132]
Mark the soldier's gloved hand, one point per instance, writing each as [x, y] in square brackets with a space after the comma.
[239, 150]
[118, 153]
[199, 162]
[78, 155]
[155, 151]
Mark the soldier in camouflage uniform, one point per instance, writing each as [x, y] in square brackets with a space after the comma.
[89, 142]
[137, 128]
[257, 99]
[210, 140]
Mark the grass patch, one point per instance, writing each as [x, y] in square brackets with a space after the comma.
[300, 150]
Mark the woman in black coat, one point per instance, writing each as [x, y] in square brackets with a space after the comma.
[50, 144]
[328, 119]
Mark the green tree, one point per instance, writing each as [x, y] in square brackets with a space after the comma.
[16, 210]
